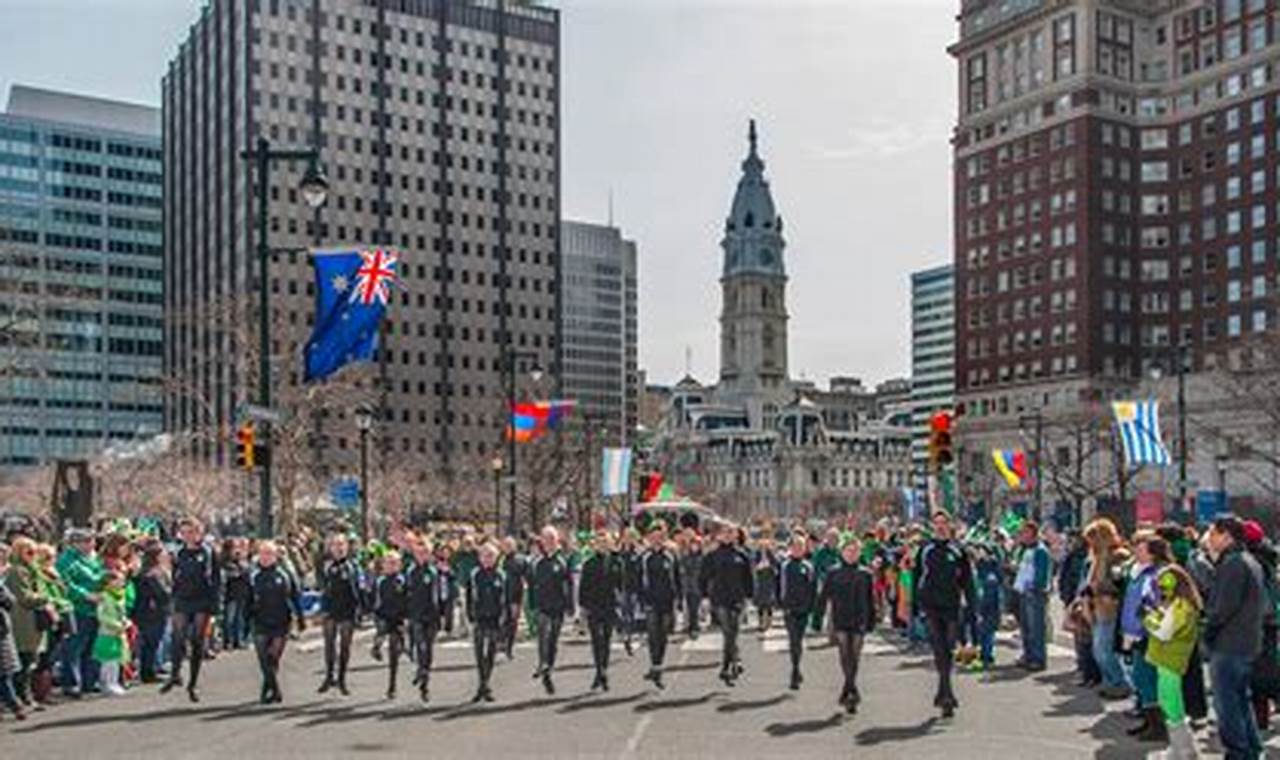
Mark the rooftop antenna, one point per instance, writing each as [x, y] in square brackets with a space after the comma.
[688, 360]
[611, 207]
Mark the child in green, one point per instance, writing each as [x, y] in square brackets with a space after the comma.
[111, 648]
[1174, 626]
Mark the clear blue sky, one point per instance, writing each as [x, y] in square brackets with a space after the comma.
[855, 100]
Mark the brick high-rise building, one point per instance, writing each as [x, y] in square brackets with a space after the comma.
[1115, 194]
[438, 123]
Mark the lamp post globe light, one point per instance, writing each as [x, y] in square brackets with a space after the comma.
[364, 422]
[497, 466]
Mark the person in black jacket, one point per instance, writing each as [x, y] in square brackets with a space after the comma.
[339, 577]
[235, 593]
[629, 597]
[152, 606]
[390, 607]
[273, 599]
[797, 591]
[488, 605]
[598, 586]
[426, 596]
[552, 585]
[659, 589]
[943, 587]
[849, 590]
[727, 581]
[516, 568]
[197, 588]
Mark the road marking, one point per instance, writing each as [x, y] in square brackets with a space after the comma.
[642, 725]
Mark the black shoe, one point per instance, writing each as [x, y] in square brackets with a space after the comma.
[277, 697]
[949, 708]
[342, 687]
[538, 673]
[546, 683]
[479, 697]
[657, 680]
[595, 684]
[627, 646]
[168, 686]
[604, 683]
[487, 695]
[376, 653]
[795, 680]
[650, 674]
[192, 695]
[324, 687]
[391, 693]
[851, 704]
[265, 696]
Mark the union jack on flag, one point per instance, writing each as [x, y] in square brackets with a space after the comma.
[374, 277]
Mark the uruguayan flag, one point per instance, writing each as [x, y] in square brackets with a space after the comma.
[1139, 425]
[615, 471]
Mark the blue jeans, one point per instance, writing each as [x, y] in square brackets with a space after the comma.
[1031, 624]
[987, 639]
[1144, 678]
[79, 669]
[1104, 633]
[1236, 725]
[233, 629]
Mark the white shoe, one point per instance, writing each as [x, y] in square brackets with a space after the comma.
[116, 690]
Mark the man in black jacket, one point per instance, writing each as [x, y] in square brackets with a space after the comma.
[943, 587]
[552, 585]
[426, 597]
[516, 568]
[629, 596]
[488, 604]
[339, 577]
[597, 596]
[797, 590]
[1233, 636]
[727, 582]
[659, 589]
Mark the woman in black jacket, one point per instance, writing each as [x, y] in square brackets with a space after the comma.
[152, 607]
[598, 587]
[848, 589]
[273, 602]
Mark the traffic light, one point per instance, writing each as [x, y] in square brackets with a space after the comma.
[940, 447]
[245, 449]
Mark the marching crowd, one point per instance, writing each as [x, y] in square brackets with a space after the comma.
[108, 610]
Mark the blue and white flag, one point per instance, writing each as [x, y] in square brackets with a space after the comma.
[615, 475]
[353, 289]
[1139, 426]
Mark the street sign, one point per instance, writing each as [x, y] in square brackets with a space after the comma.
[345, 493]
[261, 413]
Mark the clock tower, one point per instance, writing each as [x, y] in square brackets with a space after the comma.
[753, 317]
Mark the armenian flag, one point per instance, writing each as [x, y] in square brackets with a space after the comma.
[531, 420]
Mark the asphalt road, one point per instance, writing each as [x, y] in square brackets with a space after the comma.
[1004, 714]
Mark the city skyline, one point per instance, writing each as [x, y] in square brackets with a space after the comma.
[843, 174]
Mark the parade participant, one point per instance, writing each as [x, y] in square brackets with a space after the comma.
[426, 596]
[152, 608]
[390, 607]
[1032, 584]
[690, 573]
[597, 598]
[629, 596]
[80, 570]
[849, 593]
[825, 559]
[659, 590]
[273, 604]
[1233, 635]
[726, 581]
[797, 592]
[1173, 624]
[765, 577]
[339, 577]
[197, 586]
[551, 585]
[943, 585]
[488, 604]
[110, 648]
[516, 568]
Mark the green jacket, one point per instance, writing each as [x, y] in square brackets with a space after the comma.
[83, 576]
[1173, 630]
[825, 559]
[110, 645]
[53, 589]
[22, 583]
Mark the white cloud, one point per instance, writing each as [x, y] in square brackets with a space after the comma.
[884, 140]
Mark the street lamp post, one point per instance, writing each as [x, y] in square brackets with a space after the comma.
[364, 421]
[497, 464]
[315, 189]
[1037, 419]
[1178, 354]
[510, 357]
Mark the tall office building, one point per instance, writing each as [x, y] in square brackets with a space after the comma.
[1115, 192]
[438, 124]
[600, 327]
[933, 354]
[80, 275]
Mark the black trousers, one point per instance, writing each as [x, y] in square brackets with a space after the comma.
[692, 606]
[393, 633]
[270, 650]
[423, 635]
[337, 647]
[548, 639]
[944, 631]
[796, 623]
[600, 626]
[485, 636]
[188, 642]
[658, 621]
[729, 618]
[849, 644]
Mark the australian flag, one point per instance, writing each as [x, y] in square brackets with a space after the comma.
[353, 289]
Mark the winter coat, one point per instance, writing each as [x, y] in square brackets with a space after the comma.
[154, 601]
[82, 575]
[111, 644]
[21, 581]
[1172, 630]
[1234, 611]
[8, 652]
